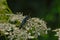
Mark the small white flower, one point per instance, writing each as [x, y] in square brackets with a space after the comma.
[31, 37]
[6, 33]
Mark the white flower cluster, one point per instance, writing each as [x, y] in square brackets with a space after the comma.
[18, 17]
[36, 27]
[57, 33]
[33, 28]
